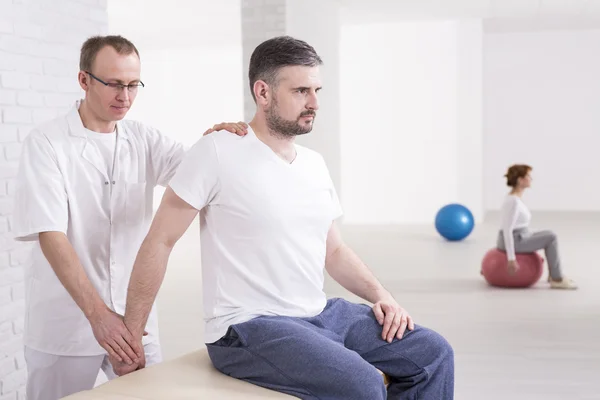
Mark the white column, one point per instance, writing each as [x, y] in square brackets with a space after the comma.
[261, 20]
[470, 116]
[318, 23]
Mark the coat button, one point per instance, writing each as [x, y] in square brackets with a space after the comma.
[106, 183]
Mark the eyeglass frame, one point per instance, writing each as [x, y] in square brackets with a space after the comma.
[118, 86]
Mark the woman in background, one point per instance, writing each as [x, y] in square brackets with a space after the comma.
[515, 236]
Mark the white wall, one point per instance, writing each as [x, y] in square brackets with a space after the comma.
[408, 93]
[191, 54]
[323, 33]
[39, 61]
[260, 21]
[470, 116]
[542, 102]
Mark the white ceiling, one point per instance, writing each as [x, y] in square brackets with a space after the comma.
[156, 24]
[498, 15]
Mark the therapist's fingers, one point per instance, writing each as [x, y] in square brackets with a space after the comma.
[113, 343]
[120, 368]
[135, 345]
[128, 349]
[111, 352]
[238, 128]
[142, 361]
[243, 126]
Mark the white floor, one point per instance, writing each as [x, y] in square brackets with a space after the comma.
[509, 344]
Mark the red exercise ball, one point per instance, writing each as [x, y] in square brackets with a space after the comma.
[494, 269]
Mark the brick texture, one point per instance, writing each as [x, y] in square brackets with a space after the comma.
[39, 53]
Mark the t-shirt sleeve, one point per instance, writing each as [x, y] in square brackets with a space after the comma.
[41, 203]
[336, 207]
[166, 155]
[337, 210]
[197, 178]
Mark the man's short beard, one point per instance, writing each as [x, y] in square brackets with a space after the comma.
[284, 127]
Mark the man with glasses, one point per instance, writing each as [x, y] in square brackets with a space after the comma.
[84, 198]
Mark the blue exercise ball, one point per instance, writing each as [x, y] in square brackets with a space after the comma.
[454, 222]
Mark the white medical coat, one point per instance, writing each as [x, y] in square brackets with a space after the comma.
[63, 185]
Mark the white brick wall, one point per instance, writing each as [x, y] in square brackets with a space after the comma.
[39, 54]
[261, 20]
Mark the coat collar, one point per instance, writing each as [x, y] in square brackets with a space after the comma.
[89, 150]
[77, 129]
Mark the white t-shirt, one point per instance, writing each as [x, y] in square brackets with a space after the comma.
[514, 215]
[105, 142]
[263, 228]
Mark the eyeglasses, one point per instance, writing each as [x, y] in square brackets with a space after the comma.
[118, 87]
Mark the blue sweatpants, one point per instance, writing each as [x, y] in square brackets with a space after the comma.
[335, 355]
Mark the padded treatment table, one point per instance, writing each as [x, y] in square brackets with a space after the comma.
[191, 376]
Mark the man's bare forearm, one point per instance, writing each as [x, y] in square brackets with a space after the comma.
[66, 265]
[349, 271]
[148, 273]
[172, 219]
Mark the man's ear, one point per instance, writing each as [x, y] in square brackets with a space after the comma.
[83, 79]
[262, 93]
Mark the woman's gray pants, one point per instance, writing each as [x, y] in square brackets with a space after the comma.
[527, 241]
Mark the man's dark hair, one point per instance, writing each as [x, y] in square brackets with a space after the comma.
[276, 53]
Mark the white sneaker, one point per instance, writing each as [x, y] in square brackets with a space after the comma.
[566, 283]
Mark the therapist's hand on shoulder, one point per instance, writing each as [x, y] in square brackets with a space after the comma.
[112, 334]
[239, 128]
